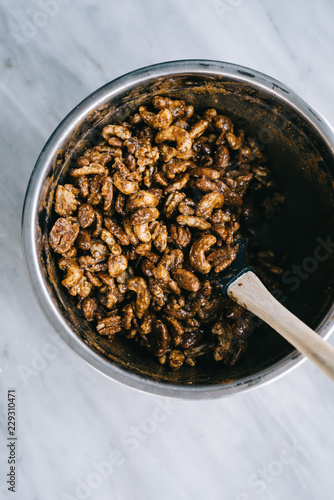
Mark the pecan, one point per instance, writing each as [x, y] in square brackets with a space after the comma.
[63, 234]
[142, 199]
[66, 202]
[144, 215]
[161, 121]
[176, 359]
[159, 338]
[82, 288]
[223, 123]
[139, 286]
[117, 231]
[109, 326]
[86, 215]
[222, 257]
[107, 192]
[116, 265]
[83, 240]
[181, 235]
[115, 130]
[178, 184]
[222, 157]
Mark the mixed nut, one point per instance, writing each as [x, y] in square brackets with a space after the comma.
[146, 214]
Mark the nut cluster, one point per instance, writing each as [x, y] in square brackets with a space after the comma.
[146, 214]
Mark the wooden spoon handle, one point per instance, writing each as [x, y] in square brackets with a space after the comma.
[249, 292]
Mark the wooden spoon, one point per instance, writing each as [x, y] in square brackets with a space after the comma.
[240, 283]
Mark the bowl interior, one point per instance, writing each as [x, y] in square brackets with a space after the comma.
[303, 167]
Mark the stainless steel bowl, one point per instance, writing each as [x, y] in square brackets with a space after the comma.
[300, 153]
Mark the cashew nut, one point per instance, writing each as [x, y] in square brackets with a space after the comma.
[208, 203]
[98, 250]
[208, 173]
[193, 221]
[108, 238]
[188, 111]
[162, 274]
[142, 232]
[197, 130]
[125, 186]
[139, 286]
[223, 123]
[197, 253]
[93, 168]
[233, 141]
[177, 134]
[143, 248]
[160, 121]
[176, 359]
[175, 106]
[167, 152]
[116, 249]
[128, 228]
[209, 114]
[186, 279]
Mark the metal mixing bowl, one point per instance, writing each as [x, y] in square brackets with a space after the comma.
[300, 154]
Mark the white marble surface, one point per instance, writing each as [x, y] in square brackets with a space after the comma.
[272, 443]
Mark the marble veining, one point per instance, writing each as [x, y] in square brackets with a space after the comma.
[80, 435]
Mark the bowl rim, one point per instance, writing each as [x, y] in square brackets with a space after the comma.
[34, 190]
